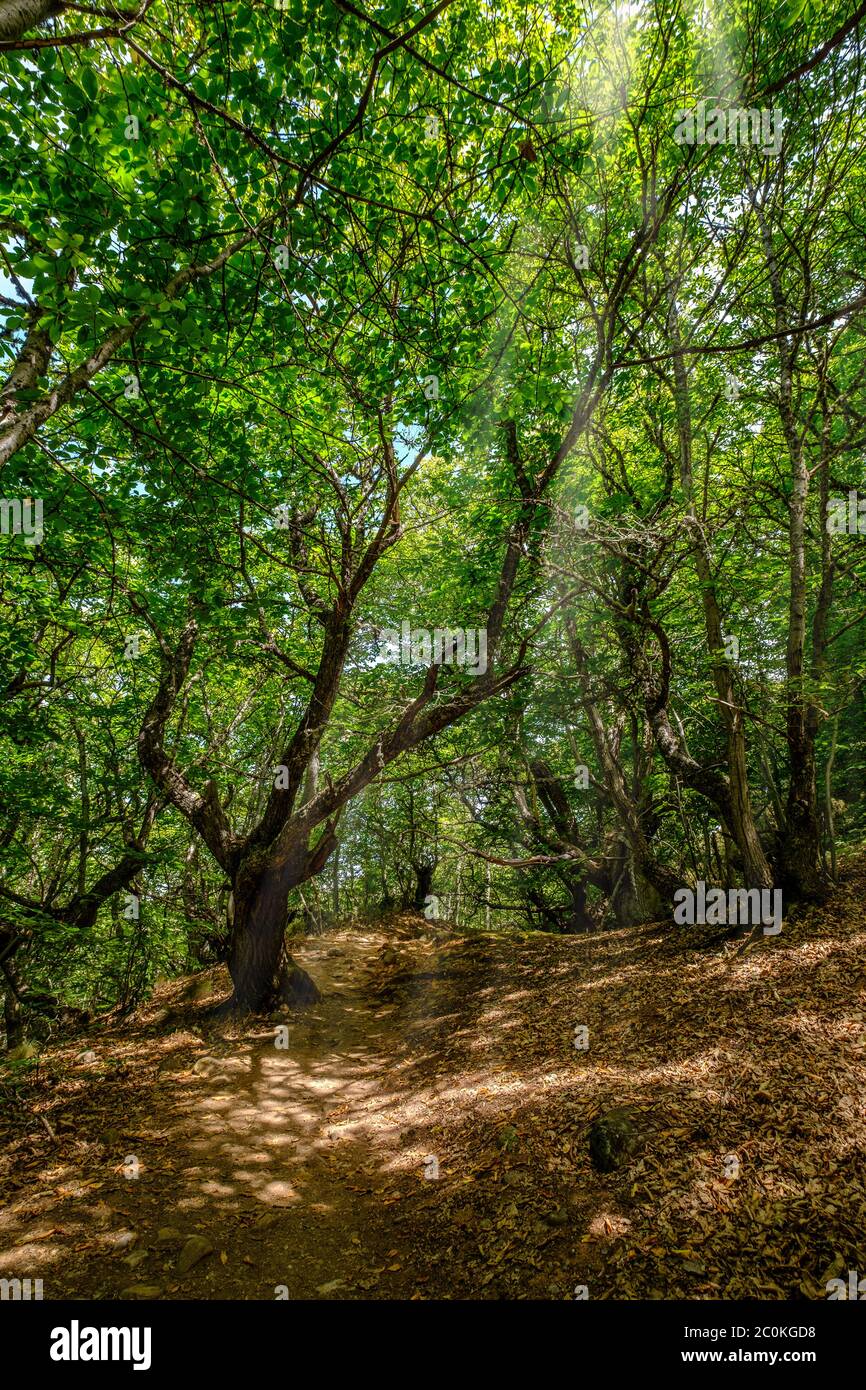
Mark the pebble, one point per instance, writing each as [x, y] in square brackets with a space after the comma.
[196, 1248]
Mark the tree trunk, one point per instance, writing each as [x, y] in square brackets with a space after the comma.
[828, 798]
[424, 872]
[263, 973]
[802, 865]
[803, 873]
[18, 17]
[641, 889]
[487, 897]
[634, 900]
[635, 897]
[756, 870]
[580, 918]
[335, 885]
[13, 1014]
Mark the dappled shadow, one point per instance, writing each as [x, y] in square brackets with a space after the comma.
[425, 1132]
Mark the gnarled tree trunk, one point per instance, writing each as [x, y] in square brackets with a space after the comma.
[634, 898]
[263, 973]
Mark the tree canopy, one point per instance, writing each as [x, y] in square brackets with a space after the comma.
[323, 322]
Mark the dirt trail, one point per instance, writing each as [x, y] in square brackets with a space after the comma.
[425, 1133]
[322, 1134]
[290, 1152]
[304, 1136]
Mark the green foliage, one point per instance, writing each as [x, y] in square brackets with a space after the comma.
[391, 214]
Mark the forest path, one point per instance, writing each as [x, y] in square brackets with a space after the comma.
[293, 1148]
[313, 1136]
[288, 1146]
[302, 1172]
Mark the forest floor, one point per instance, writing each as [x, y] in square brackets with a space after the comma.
[425, 1132]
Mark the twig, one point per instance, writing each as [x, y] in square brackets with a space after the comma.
[51, 1134]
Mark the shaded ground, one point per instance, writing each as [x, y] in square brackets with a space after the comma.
[425, 1132]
